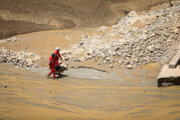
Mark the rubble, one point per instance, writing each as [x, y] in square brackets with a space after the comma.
[20, 59]
[8, 39]
[102, 29]
[137, 46]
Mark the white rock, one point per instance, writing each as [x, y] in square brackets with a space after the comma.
[111, 65]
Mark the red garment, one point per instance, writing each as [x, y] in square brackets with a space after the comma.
[51, 62]
[56, 63]
[52, 71]
[58, 55]
[52, 67]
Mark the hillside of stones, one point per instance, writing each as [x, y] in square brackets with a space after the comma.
[137, 39]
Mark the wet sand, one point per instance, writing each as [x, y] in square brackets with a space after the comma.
[30, 95]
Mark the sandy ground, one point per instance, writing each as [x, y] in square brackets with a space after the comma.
[44, 43]
[29, 95]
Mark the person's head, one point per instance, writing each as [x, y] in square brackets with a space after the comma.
[53, 55]
[57, 48]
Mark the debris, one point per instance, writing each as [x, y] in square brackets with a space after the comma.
[137, 46]
[20, 59]
[8, 39]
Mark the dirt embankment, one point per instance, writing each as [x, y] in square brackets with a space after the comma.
[17, 16]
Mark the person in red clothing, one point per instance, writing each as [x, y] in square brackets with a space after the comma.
[52, 66]
[57, 64]
[57, 53]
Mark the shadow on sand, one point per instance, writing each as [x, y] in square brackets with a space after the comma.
[61, 76]
[58, 77]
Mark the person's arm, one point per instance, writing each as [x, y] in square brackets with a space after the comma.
[59, 55]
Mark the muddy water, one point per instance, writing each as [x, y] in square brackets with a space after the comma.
[29, 95]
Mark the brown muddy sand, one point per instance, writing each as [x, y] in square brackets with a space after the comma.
[29, 95]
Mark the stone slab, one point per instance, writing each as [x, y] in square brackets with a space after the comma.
[174, 62]
[169, 72]
[169, 75]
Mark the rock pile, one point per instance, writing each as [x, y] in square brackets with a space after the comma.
[132, 46]
[8, 39]
[20, 59]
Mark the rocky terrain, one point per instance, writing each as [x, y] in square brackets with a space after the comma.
[8, 39]
[155, 39]
[20, 59]
[136, 40]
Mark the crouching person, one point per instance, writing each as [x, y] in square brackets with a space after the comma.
[57, 67]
